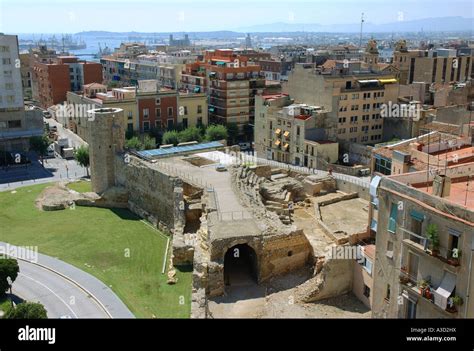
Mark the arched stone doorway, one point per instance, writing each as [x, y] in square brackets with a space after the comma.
[240, 266]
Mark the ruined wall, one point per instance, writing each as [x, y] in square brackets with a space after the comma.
[284, 253]
[334, 279]
[153, 194]
[349, 187]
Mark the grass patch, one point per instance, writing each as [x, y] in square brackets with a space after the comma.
[81, 186]
[113, 245]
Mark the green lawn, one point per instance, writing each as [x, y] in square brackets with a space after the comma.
[98, 241]
[81, 186]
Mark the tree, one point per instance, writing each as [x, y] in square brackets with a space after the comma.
[82, 157]
[171, 137]
[27, 310]
[233, 132]
[8, 268]
[134, 143]
[216, 132]
[39, 144]
[190, 134]
[149, 143]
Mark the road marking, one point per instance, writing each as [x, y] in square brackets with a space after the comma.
[64, 302]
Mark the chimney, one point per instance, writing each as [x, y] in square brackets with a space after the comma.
[441, 186]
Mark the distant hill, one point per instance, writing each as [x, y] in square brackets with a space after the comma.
[449, 24]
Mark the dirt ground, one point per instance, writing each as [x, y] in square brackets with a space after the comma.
[276, 300]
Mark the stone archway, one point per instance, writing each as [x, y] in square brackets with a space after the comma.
[240, 266]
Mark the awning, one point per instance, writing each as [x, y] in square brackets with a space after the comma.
[374, 184]
[278, 131]
[197, 89]
[368, 81]
[417, 215]
[373, 225]
[277, 143]
[445, 290]
[286, 146]
[286, 134]
[388, 81]
[454, 232]
[211, 109]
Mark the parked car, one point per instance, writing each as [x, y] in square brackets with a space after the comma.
[221, 168]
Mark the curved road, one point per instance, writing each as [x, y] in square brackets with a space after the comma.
[60, 297]
[64, 290]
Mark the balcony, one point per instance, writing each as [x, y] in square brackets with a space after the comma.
[421, 244]
[443, 300]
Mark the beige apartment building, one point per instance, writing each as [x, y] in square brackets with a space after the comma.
[431, 66]
[352, 95]
[291, 133]
[420, 274]
[97, 96]
[193, 110]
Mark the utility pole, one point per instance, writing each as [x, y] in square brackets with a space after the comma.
[361, 27]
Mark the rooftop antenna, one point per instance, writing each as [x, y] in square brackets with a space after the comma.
[361, 27]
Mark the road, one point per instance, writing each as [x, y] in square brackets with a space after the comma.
[60, 297]
[64, 290]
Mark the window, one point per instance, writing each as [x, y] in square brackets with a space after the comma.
[387, 292]
[146, 126]
[453, 242]
[146, 113]
[14, 124]
[185, 123]
[185, 110]
[170, 124]
[199, 109]
[392, 221]
[8, 86]
[170, 112]
[7, 61]
[382, 165]
[130, 115]
[343, 97]
[355, 96]
[354, 107]
[158, 112]
[158, 101]
[366, 291]
[199, 121]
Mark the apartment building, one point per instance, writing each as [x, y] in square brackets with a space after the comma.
[435, 151]
[231, 81]
[17, 125]
[124, 69]
[95, 96]
[25, 71]
[54, 77]
[424, 225]
[352, 95]
[192, 110]
[157, 107]
[291, 133]
[432, 66]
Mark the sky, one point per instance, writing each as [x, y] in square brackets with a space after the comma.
[72, 16]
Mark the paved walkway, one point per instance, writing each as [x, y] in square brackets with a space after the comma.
[56, 283]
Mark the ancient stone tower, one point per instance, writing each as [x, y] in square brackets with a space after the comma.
[106, 138]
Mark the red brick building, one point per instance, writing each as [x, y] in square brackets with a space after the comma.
[53, 77]
[158, 110]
